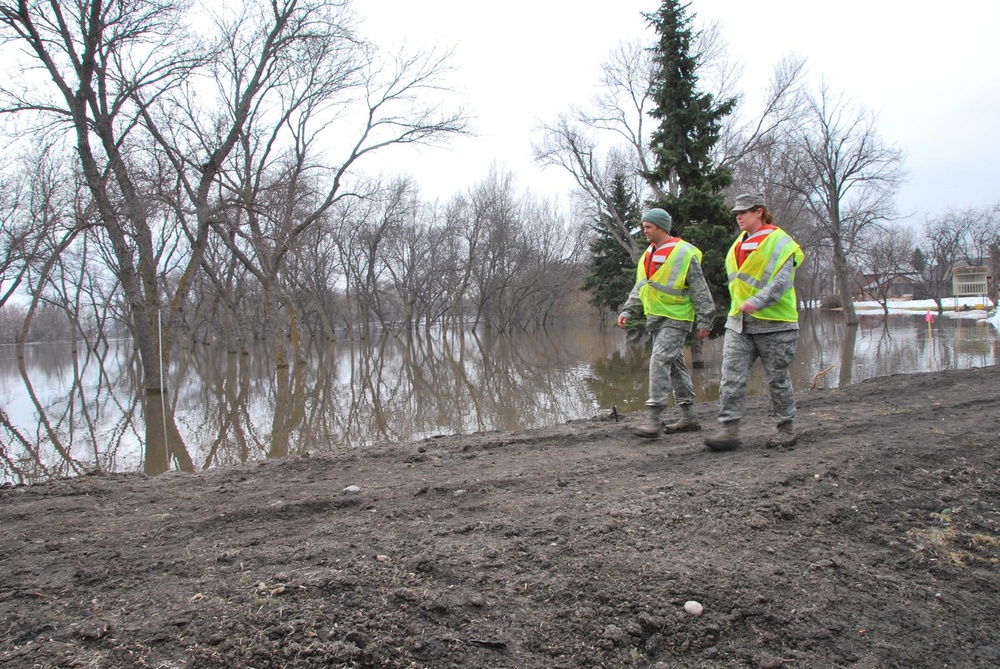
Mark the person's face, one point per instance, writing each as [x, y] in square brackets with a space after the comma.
[654, 234]
[750, 220]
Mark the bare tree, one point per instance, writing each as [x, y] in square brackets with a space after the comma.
[525, 262]
[619, 114]
[569, 145]
[466, 240]
[552, 283]
[316, 273]
[496, 206]
[845, 175]
[422, 268]
[37, 220]
[17, 241]
[224, 293]
[51, 215]
[446, 263]
[745, 137]
[983, 233]
[884, 255]
[96, 58]
[281, 182]
[369, 229]
[814, 282]
[90, 51]
[942, 246]
[970, 236]
[135, 90]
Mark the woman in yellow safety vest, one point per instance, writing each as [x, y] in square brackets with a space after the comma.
[763, 322]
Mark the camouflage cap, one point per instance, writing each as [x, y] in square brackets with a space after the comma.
[748, 201]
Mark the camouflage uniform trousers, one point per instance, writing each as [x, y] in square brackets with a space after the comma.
[776, 351]
[667, 370]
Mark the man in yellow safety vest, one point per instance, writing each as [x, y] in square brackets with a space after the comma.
[670, 289]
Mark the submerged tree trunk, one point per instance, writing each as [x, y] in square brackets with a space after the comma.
[697, 354]
[843, 271]
[164, 443]
[847, 355]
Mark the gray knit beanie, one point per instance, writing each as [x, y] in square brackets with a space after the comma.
[659, 218]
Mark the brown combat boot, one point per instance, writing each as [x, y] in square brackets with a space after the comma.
[650, 427]
[726, 439]
[785, 437]
[688, 421]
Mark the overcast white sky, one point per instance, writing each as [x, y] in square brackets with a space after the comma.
[930, 71]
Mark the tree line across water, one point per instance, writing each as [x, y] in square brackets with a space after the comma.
[187, 173]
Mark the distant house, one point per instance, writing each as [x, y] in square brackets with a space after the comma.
[971, 281]
[965, 280]
[871, 287]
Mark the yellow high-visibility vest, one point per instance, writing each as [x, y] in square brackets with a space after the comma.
[758, 269]
[666, 292]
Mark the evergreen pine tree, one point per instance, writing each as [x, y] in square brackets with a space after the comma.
[682, 145]
[610, 268]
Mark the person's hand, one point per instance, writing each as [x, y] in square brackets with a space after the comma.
[748, 308]
[703, 334]
[622, 320]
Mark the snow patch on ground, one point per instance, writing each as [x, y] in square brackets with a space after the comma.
[951, 305]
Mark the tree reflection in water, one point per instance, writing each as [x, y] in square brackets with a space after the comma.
[65, 413]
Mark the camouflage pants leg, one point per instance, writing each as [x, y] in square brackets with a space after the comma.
[667, 369]
[776, 351]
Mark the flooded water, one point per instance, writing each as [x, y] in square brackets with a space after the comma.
[64, 414]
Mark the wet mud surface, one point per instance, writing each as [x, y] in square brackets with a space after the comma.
[874, 542]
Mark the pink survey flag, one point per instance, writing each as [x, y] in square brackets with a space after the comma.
[929, 318]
